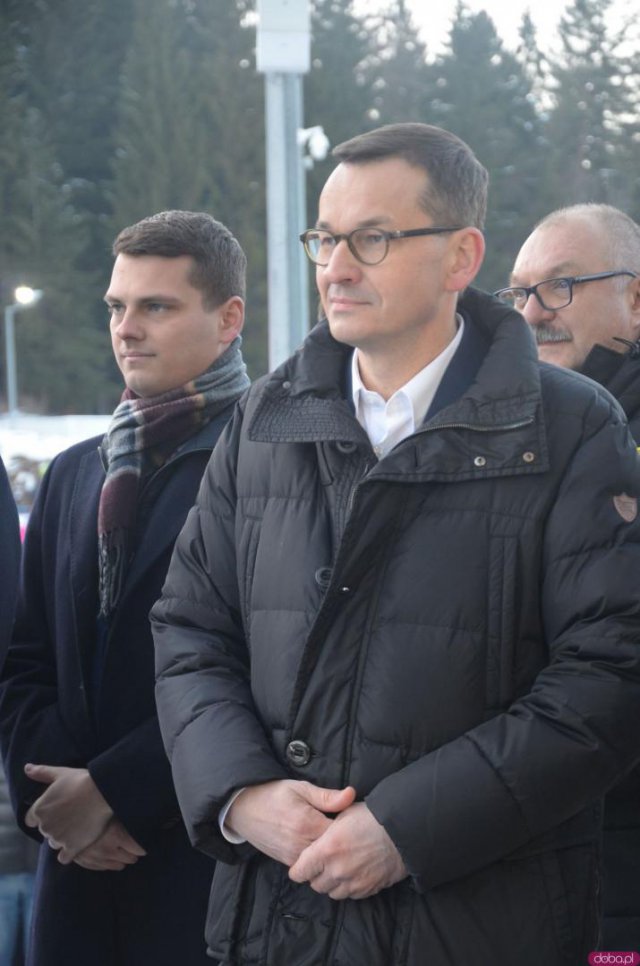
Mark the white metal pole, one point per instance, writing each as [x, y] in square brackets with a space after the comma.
[286, 264]
[10, 358]
[283, 54]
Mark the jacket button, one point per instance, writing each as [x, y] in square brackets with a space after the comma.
[323, 577]
[479, 461]
[528, 457]
[298, 753]
[346, 447]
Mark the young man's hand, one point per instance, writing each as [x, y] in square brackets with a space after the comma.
[71, 814]
[113, 851]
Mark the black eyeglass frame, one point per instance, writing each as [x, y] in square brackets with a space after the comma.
[571, 280]
[388, 236]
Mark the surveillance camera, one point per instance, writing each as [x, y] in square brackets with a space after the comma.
[318, 144]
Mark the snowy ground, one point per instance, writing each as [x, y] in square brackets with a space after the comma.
[29, 443]
[40, 438]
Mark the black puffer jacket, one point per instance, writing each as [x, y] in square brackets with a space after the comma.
[620, 374]
[452, 630]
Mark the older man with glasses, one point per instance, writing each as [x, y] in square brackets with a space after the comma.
[395, 668]
[576, 280]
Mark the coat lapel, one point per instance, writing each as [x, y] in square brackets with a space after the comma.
[83, 543]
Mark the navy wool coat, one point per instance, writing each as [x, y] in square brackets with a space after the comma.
[55, 709]
[9, 559]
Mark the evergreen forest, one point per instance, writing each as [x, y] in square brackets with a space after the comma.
[111, 110]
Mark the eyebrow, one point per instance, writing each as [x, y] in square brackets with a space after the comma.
[145, 300]
[562, 270]
[366, 223]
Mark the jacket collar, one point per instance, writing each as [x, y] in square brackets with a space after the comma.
[618, 372]
[496, 385]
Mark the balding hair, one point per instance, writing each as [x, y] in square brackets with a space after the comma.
[621, 232]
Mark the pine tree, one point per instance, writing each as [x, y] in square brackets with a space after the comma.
[532, 59]
[400, 78]
[59, 357]
[594, 119]
[336, 91]
[191, 133]
[485, 98]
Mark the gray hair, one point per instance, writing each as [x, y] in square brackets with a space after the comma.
[622, 233]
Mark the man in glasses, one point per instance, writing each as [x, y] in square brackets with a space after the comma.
[576, 280]
[395, 667]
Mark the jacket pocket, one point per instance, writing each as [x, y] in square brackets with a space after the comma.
[571, 879]
[501, 623]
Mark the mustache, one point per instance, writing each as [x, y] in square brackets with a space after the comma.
[545, 333]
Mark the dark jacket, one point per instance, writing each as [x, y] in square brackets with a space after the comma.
[52, 712]
[620, 374]
[15, 852]
[452, 630]
[9, 559]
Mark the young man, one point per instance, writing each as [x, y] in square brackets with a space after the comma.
[395, 667]
[118, 884]
[15, 872]
[576, 281]
[9, 559]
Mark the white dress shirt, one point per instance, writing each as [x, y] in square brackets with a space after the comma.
[386, 424]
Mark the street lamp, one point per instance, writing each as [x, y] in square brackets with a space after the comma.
[24, 297]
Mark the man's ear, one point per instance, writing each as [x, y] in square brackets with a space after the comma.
[465, 258]
[634, 297]
[231, 315]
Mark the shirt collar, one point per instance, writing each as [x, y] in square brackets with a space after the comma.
[420, 389]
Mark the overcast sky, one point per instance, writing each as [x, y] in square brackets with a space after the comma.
[433, 17]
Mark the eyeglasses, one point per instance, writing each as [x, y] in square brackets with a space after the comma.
[552, 293]
[369, 245]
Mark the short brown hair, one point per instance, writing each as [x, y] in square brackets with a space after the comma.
[219, 263]
[458, 183]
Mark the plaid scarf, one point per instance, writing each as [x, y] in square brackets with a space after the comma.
[141, 437]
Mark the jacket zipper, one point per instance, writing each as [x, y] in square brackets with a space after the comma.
[476, 428]
[350, 506]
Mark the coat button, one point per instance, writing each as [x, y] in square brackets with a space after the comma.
[298, 753]
[479, 461]
[323, 577]
[528, 457]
